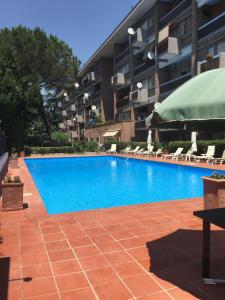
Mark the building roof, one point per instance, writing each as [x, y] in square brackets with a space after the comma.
[119, 35]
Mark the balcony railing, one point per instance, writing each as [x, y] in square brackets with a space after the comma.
[90, 77]
[174, 83]
[123, 54]
[69, 123]
[176, 11]
[79, 119]
[205, 2]
[170, 45]
[74, 134]
[212, 25]
[139, 124]
[143, 67]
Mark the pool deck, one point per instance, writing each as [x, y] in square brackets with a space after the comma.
[149, 251]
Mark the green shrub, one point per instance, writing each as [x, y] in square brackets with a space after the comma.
[77, 148]
[91, 146]
[59, 138]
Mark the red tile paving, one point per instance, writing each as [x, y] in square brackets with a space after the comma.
[150, 251]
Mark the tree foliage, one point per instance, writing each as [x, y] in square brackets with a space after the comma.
[34, 68]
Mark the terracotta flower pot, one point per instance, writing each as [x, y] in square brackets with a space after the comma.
[214, 192]
[12, 196]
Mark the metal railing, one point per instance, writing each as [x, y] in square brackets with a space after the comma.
[212, 25]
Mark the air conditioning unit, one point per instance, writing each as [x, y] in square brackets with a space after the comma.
[72, 107]
[74, 134]
[118, 79]
[140, 95]
[64, 113]
[79, 119]
[91, 77]
[139, 39]
[61, 125]
[69, 123]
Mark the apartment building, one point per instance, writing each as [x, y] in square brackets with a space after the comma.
[156, 48]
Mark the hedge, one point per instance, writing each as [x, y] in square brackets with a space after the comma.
[77, 148]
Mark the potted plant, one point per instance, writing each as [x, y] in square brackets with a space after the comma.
[13, 160]
[214, 191]
[12, 193]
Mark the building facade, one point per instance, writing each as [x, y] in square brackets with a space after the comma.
[156, 48]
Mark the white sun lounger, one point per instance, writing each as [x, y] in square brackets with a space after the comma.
[174, 155]
[208, 155]
[113, 149]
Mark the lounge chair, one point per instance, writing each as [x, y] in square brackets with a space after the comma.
[188, 156]
[134, 150]
[208, 155]
[124, 151]
[174, 155]
[220, 160]
[140, 152]
[149, 151]
[158, 153]
[113, 149]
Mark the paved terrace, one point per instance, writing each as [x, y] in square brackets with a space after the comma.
[149, 251]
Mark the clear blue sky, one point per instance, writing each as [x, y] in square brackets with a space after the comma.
[83, 24]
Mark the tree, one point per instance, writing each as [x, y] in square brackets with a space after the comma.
[34, 68]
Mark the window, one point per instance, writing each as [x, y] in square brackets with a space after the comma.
[124, 69]
[211, 51]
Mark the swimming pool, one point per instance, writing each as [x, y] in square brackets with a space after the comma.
[82, 183]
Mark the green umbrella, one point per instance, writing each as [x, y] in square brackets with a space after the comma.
[199, 104]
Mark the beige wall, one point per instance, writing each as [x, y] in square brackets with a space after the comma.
[126, 131]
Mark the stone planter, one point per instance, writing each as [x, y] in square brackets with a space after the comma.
[12, 196]
[214, 193]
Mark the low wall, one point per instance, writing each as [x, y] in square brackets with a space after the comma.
[4, 158]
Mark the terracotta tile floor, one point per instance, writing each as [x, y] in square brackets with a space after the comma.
[149, 251]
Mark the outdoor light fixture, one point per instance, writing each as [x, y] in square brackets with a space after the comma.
[93, 108]
[86, 95]
[76, 84]
[150, 55]
[65, 94]
[139, 85]
[131, 31]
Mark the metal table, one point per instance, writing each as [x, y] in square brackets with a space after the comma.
[216, 217]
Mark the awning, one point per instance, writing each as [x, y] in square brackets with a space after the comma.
[199, 104]
[111, 133]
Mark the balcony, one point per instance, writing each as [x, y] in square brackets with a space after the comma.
[118, 79]
[72, 107]
[174, 83]
[140, 38]
[64, 113]
[179, 9]
[211, 26]
[59, 105]
[123, 54]
[139, 96]
[218, 61]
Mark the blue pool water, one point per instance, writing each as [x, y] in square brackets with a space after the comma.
[75, 184]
